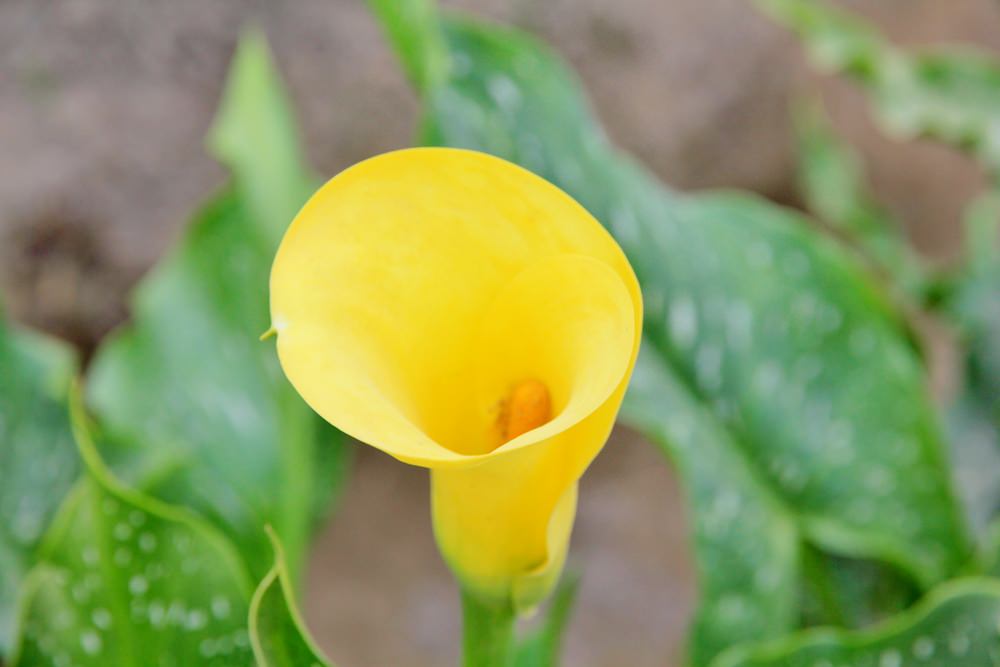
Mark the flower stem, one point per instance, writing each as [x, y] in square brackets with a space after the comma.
[488, 632]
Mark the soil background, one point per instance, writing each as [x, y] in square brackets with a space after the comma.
[103, 109]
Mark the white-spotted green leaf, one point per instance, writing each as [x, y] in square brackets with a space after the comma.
[767, 331]
[954, 97]
[833, 185]
[277, 632]
[746, 540]
[38, 462]
[188, 382]
[129, 581]
[951, 96]
[955, 626]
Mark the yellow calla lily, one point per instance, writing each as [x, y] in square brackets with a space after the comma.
[462, 314]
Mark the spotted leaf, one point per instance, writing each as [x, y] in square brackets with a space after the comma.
[832, 181]
[762, 338]
[38, 463]
[956, 626]
[126, 580]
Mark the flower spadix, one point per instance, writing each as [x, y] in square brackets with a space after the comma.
[462, 314]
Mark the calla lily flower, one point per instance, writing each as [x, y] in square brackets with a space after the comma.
[460, 313]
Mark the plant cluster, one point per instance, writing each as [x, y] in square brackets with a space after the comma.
[158, 511]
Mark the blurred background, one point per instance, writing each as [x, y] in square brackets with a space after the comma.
[103, 107]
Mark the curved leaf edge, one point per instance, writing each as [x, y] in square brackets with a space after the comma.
[279, 574]
[97, 472]
[779, 649]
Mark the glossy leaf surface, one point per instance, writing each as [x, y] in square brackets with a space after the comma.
[126, 580]
[956, 626]
[763, 339]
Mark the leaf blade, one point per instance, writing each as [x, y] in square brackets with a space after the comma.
[38, 462]
[702, 258]
[950, 96]
[277, 632]
[129, 581]
[190, 377]
[954, 626]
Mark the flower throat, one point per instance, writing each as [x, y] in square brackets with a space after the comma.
[527, 407]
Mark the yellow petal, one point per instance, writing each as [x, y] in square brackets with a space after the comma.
[384, 285]
[504, 525]
[461, 313]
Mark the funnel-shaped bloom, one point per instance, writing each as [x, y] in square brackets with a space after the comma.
[462, 314]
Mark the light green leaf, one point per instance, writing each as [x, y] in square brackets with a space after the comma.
[277, 632]
[418, 38]
[256, 136]
[129, 581]
[950, 96]
[832, 181]
[767, 336]
[38, 462]
[543, 645]
[188, 382]
[956, 626]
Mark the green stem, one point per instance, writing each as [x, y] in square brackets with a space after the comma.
[488, 633]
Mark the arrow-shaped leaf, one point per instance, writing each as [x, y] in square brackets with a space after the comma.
[129, 581]
[762, 337]
[188, 383]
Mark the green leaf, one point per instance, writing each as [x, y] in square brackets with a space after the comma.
[951, 96]
[956, 626]
[189, 384]
[976, 301]
[762, 338]
[542, 646]
[973, 302]
[851, 593]
[129, 581]
[417, 37]
[832, 181]
[256, 136]
[745, 539]
[988, 558]
[38, 462]
[277, 632]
